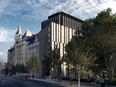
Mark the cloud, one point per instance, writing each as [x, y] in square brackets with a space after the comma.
[6, 35]
[1, 53]
[3, 6]
[40, 9]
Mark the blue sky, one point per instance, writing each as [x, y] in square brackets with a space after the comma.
[30, 13]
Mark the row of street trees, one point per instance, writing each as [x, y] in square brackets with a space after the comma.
[92, 46]
[13, 69]
[101, 32]
[32, 66]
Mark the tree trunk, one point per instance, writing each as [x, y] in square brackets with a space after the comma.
[35, 74]
[68, 70]
[78, 69]
[31, 75]
[110, 66]
[111, 73]
[78, 78]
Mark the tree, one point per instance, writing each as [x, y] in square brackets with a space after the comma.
[6, 70]
[54, 62]
[96, 39]
[33, 64]
[20, 68]
[80, 54]
[13, 69]
[101, 32]
[99, 64]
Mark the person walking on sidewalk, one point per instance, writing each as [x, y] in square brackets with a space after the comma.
[102, 80]
[71, 79]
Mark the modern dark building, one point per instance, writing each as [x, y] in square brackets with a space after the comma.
[58, 30]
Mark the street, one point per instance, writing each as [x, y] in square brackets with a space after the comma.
[17, 82]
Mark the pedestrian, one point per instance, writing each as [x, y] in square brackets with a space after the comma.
[102, 80]
[92, 79]
[71, 79]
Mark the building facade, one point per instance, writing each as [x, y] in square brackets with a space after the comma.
[23, 48]
[10, 56]
[2, 67]
[57, 30]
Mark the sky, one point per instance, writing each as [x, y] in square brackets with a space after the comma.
[30, 13]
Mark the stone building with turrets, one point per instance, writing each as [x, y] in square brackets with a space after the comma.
[25, 45]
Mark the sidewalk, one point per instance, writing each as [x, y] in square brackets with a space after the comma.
[67, 83]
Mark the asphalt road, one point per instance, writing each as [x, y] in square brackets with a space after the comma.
[17, 82]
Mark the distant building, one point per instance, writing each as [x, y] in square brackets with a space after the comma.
[2, 67]
[10, 56]
[25, 45]
[58, 30]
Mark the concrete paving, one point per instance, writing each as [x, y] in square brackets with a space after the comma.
[65, 83]
[68, 83]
